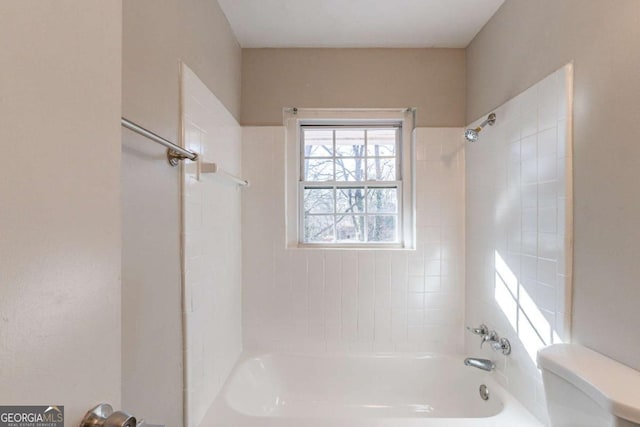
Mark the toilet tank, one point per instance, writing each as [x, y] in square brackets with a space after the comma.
[586, 389]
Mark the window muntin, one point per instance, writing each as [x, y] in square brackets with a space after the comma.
[350, 186]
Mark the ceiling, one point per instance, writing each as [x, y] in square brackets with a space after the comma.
[357, 23]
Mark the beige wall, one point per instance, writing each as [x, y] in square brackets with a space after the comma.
[433, 80]
[521, 44]
[60, 197]
[156, 34]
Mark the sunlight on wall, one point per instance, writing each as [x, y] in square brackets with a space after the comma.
[533, 330]
[518, 189]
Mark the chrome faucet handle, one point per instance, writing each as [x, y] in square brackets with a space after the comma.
[480, 330]
[503, 345]
[491, 336]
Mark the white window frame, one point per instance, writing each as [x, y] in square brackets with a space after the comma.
[295, 119]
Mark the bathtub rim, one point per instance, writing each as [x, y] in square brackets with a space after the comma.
[512, 409]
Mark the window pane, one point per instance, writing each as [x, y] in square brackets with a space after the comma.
[318, 228]
[382, 228]
[318, 170]
[318, 143]
[350, 169]
[318, 200]
[341, 207]
[381, 169]
[381, 142]
[382, 200]
[350, 228]
[350, 142]
[350, 200]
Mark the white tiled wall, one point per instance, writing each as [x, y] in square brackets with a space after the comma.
[354, 300]
[213, 246]
[518, 231]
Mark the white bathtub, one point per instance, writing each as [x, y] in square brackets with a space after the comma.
[357, 391]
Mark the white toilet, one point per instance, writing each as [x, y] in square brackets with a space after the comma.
[586, 389]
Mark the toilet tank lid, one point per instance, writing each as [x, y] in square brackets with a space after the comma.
[614, 386]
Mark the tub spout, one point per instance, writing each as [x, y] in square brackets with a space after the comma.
[484, 364]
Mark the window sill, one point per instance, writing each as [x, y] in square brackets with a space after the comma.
[321, 247]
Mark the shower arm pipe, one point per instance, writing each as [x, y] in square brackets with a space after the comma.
[175, 153]
[490, 120]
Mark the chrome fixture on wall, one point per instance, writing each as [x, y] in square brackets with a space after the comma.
[499, 344]
[175, 153]
[471, 135]
[480, 330]
[484, 364]
[484, 392]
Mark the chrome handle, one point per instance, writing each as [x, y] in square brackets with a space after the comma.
[503, 345]
[491, 336]
[497, 343]
[480, 330]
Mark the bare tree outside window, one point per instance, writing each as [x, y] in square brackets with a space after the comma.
[350, 184]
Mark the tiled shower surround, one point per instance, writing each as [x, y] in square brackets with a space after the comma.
[519, 231]
[212, 247]
[498, 211]
[332, 300]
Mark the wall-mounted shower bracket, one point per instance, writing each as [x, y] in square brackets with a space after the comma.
[491, 120]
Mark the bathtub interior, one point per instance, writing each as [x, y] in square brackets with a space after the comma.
[359, 387]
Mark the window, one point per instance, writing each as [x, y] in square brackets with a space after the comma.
[350, 187]
[349, 178]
